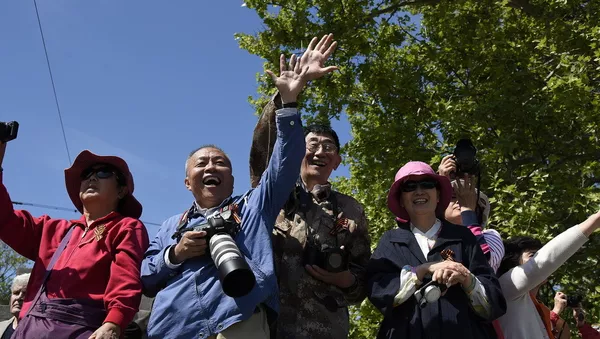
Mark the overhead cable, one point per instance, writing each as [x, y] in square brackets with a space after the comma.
[65, 209]
[52, 81]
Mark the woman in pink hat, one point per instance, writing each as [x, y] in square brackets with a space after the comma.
[428, 277]
[85, 282]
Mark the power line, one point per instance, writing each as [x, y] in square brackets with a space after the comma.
[46, 206]
[65, 209]
[52, 81]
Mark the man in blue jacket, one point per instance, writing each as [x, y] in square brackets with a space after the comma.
[190, 299]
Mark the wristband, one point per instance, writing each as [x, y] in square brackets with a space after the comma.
[289, 105]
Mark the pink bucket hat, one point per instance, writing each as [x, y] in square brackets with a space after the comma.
[417, 168]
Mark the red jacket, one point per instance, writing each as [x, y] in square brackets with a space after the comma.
[101, 264]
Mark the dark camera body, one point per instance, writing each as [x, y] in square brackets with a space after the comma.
[573, 301]
[465, 155]
[237, 279]
[215, 225]
[328, 258]
[8, 131]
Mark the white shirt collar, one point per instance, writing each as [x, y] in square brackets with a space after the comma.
[423, 238]
[432, 231]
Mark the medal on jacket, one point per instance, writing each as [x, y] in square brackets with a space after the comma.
[340, 223]
[99, 232]
[448, 254]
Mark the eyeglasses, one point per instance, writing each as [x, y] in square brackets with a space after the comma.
[100, 172]
[411, 185]
[327, 147]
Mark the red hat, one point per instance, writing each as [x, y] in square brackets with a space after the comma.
[418, 168]
[130, 206]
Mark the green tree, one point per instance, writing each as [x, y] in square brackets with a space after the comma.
[520, 78]
[11, 264]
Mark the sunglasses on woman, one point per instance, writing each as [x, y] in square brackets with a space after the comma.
[412, 185]
[100, 172]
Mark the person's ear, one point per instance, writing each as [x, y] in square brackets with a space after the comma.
[337, 161]
[123, 190]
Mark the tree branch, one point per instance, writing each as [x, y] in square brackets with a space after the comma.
[525, 6]
[397, 6]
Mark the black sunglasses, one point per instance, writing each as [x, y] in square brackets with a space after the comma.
[100, 172]
[411, 185]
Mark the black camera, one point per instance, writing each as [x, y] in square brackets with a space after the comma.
[237, 279]
[330, 259]
[573, 301]
[8, 131]
[465, 155]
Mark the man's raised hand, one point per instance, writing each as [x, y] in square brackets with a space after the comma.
[315, 56]
[291, 80]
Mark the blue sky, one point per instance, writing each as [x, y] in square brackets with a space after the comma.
[145, 80]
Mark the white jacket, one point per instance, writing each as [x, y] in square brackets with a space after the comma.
[522, 321]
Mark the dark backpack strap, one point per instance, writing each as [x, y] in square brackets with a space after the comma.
[55, 256]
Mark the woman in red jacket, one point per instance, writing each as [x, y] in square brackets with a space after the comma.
[85, 281]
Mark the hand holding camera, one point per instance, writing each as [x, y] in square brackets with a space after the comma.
[343, 279]
[463, 161]
[192, 244]
[330, 265]
[579, 316]
[447, 166]
[560, 303]
[450, 273]
[216, 234]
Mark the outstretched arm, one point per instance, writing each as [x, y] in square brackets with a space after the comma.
[521, 279]
[18, 229]
[265, 132]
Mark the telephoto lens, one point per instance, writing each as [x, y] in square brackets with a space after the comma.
[237, 279]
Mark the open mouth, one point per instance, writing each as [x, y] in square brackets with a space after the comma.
[420, 201]
[211, 182]
[318, 163]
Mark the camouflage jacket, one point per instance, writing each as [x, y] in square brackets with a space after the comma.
[310, 308]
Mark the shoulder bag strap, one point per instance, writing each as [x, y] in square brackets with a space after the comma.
[55, 256]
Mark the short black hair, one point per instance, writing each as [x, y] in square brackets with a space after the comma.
[203, 147]
[207, 146]
[323, 129]
[514, 249]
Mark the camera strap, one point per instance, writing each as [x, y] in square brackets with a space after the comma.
[338, 223]
[230, 210]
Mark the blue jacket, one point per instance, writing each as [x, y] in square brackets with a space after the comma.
[190, 302]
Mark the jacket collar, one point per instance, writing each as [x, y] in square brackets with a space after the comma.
[404, 235]
[320, 192]
[81, 221]
[445, 237]
[195, 211]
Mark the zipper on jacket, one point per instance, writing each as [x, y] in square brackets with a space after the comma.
[87, 228]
